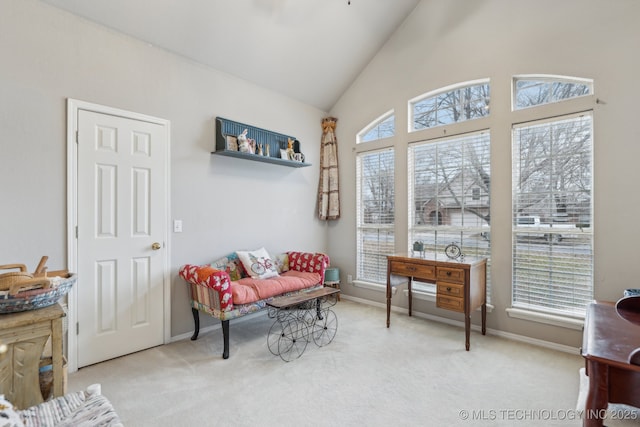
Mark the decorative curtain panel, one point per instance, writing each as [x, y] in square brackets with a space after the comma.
[328, 195]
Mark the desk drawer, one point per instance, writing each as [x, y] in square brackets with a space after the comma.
[450, 303]
[418, 271]
[450, 289]
[455, 275]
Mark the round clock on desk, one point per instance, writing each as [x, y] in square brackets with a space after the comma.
[453, 251]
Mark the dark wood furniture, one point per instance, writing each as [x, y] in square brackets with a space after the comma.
[607, 344]
[25, 335]
[460, 284]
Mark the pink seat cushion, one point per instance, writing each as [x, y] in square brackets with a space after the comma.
[250, 290]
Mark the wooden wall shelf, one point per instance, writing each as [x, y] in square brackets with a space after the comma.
[276, 141]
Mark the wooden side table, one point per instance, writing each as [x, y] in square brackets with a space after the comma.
[25, 335]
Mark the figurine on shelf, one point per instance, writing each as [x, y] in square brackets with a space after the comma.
[290, 148]
[243, 142]
[259, 152]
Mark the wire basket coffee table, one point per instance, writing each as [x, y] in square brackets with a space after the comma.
[302, 318]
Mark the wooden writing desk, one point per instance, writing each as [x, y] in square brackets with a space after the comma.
[607, 342]
[460, 284]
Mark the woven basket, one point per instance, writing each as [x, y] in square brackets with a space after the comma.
[36, 298]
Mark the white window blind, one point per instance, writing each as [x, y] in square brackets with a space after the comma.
[375, 214]
[449, 194]
[552, 215]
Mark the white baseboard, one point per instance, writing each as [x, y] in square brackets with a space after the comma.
[217, 325]
[507, 335]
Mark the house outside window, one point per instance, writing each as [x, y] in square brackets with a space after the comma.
[450, 194]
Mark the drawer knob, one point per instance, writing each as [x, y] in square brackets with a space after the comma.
[448, 288]
[448, 273]
[411, 268]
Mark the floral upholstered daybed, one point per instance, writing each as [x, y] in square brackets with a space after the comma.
[244, 281]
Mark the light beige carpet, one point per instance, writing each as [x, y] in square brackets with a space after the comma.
[415, 373]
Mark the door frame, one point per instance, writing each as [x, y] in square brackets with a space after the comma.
[73, 108]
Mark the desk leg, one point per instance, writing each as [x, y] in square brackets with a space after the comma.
[388, 292]
[598, 397]
[410, 294]
[467, 330]
[484, 319]
[388, 303]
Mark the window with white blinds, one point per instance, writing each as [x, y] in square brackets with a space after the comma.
[450, 194]
[552, 215]
[375, 214]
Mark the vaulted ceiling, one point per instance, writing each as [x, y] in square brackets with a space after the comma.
[309, 50]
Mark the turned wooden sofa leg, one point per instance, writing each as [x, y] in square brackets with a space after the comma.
[225, 332]
[225, 335]
[196, 321]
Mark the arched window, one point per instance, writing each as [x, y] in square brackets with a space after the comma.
[375, 172]
[533, 90]
[382, 127]
[453, 104]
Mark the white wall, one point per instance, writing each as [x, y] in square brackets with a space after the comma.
[48, 55]
[445, 42]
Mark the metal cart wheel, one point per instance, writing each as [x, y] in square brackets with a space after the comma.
[309, 319]
[275, 332]
[293, 340]
[325, 329]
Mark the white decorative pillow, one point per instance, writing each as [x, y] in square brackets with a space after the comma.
[282, 262]
[258, 263]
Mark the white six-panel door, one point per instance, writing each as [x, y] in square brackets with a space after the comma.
[121, 229]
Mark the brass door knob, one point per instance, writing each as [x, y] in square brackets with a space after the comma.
[156, 246]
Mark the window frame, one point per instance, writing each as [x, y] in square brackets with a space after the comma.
[520, 309]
